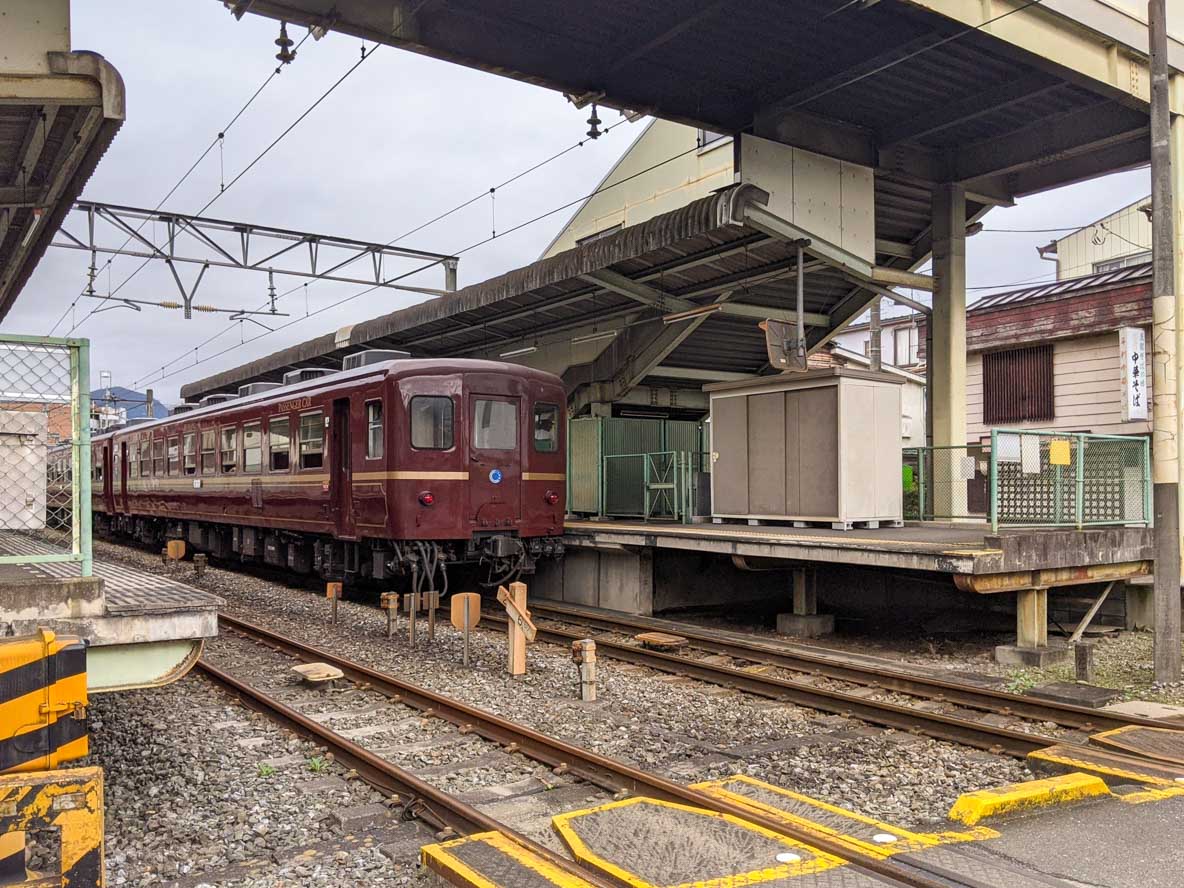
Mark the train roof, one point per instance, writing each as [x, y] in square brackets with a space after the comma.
[397, 369]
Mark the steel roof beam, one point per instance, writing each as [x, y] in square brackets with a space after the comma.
[989, 101]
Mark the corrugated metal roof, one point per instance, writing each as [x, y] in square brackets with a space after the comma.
[1100, 280]
[694, 253]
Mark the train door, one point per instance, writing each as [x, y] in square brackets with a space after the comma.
[341, 490]
[108, 484]
[123, 477]
[495, 460]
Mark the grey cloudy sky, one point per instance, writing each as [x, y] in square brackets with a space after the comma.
[402, 140]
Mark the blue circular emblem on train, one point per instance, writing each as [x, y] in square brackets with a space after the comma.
[495, 476]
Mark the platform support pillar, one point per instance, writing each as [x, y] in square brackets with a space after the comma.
[947, 380]
[1031, 646]
[805, 621]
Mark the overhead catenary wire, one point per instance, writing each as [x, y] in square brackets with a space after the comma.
[494, 236]
[216, 141]
[441, 216]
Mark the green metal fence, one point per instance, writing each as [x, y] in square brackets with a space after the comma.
[45, 450]
[945, 483]
[1032, 478]
[664, 486]
[1050, 479]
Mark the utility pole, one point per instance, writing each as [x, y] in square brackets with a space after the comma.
[1165, 357]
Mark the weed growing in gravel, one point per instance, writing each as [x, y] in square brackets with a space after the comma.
[1021, 682]
[266, 770]
[317, 765]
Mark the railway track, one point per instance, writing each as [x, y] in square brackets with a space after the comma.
[954, 728]
[446, 812]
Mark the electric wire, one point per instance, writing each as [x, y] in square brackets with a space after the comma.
[495, 235]
[218, 139]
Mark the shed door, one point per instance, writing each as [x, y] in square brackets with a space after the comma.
[495, 460]
[341, 491]
[729, 453]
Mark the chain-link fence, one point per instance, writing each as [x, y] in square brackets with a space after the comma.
[1078, 480]
[945, 483]
[45, 456]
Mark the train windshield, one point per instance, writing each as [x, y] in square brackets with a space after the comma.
[495, 424]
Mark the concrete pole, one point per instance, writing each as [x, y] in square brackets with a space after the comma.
[948, 320]
[1165, 358]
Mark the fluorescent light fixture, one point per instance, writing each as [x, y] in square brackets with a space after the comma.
[519, 352]
[37, 213]
[594, 337]
[690, 313]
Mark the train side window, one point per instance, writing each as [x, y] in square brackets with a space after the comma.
[374, 430]
[158, 463]
[252, 447]
[312, 440]
[133, 460]
[546, 428]
[229, 451]
[209, 451]
[495, 424]
[279, 442]
[190, 453]
[174, 456]
[431, 422]
[145, 460]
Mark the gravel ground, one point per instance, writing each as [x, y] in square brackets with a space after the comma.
[684, 728]
[193, 801]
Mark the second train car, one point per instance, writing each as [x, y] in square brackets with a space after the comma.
[395, 467]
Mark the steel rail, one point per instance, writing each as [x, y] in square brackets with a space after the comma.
[434, 806]
[567, 756]
[892, 715]
[830, 666]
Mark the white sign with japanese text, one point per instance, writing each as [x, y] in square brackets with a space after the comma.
[1136, 388]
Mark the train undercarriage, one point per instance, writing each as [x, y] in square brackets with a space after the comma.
[418, 565]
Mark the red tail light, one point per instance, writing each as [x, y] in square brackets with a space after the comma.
[551, 497]
[427, 498]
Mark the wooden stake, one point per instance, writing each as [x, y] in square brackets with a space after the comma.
[333, 592]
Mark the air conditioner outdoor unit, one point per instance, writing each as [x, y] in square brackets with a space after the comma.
[372, 356]
[257, 388]
[305, 374]
[216, 399]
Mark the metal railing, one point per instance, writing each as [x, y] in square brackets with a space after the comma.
[652, 486]
[45, 449]
[1032, 478]
[1052, 479]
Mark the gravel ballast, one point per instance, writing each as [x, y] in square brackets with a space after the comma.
[682, 728]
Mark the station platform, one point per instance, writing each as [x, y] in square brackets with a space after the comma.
[142, 630]
[968, 550]
[920, 568]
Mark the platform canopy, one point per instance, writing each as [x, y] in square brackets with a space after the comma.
[995, 98]
[59, 111]
[607, 315]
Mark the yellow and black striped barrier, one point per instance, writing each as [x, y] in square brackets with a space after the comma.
[67, 802]
[42, 702]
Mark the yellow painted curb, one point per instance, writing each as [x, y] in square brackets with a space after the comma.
[973, 807]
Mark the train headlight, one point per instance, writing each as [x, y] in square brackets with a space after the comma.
[427, 498]
[551, 498]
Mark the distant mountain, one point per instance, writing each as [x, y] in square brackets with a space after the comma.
[131, 401]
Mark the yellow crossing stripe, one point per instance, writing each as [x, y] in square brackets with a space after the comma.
[859, 833]
[973, 807]
[460, 862]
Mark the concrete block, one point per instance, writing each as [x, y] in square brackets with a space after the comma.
[1140, 606]
[1021, 798]
[1146, 709]
[805, 625]
[1075, 693]
[1014, 655]
[361, 816]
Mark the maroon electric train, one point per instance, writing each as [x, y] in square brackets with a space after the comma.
[393, 467]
